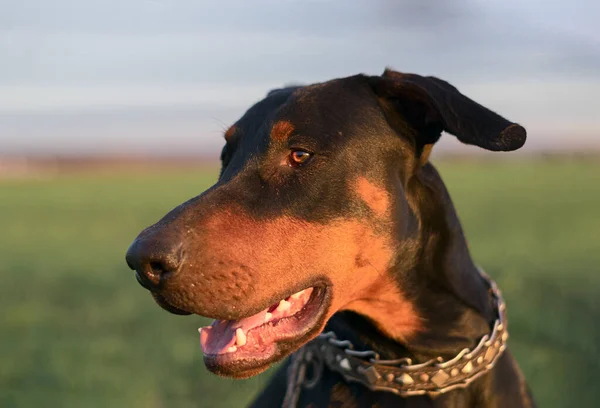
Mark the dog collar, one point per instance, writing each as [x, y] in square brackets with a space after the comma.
[400, 376]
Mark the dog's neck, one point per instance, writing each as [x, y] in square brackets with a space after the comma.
[449, 295]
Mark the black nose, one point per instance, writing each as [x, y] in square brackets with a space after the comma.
[153, 260]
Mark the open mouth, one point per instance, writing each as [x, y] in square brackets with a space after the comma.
[231, 346]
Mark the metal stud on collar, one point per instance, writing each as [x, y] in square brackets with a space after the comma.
[401, 376]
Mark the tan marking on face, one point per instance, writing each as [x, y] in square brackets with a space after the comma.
[269, 258]
[389, 309]
[425, 154]
[229, 133]
[375, 197]
[281, 130]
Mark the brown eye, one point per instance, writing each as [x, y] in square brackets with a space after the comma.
[298, 157]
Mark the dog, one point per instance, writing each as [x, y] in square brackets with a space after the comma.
[330, 237]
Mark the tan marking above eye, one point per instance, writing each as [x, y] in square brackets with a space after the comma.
[425, 154]
[230, 132]
[376, 198]
[281, 130]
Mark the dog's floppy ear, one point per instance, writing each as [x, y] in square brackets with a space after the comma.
[433, 105]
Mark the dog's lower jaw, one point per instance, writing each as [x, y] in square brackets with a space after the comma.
[248, 368]
[259, 345]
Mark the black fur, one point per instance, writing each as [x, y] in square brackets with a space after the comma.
[376, 127]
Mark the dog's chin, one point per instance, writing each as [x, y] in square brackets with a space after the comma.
[240, 368]
[248, 346]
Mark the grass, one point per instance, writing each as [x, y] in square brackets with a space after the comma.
[77, 331]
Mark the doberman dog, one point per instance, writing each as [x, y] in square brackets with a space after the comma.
[330, 237]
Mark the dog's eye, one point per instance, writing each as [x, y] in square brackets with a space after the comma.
[225, 156]
[299, 157]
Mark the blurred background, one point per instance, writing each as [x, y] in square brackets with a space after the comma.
[112, 113]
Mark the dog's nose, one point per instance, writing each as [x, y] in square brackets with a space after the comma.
[153, 260]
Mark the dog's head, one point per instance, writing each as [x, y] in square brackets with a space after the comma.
[309, 215]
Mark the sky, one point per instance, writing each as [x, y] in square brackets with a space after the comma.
[168, 77]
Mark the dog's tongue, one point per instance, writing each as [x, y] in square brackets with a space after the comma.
[224, 336]
[221, 335]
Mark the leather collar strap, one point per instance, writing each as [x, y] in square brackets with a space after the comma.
[401, 376]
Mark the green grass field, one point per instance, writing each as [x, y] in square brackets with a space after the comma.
[76, 330]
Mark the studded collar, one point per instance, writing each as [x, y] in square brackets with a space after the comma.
[400, 376]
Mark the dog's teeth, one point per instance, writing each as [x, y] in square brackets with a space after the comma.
[298, 294]
[200, 330]
[240, 336]
[232, 349]
[284, 305]
[268, 316]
